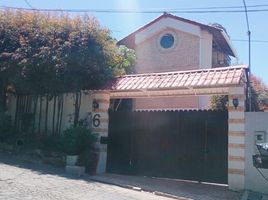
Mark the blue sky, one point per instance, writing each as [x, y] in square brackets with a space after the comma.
[122, 24]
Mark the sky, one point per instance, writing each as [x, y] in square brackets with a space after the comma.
[122, 24]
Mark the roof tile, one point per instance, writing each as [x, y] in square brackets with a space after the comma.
[214, 77]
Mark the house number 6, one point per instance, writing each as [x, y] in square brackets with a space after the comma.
[96, 120]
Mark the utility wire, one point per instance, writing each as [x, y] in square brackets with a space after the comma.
[222, 7]
[131, 10]
[156, 9]
[151, 11]
[257, 41]
[26, 1]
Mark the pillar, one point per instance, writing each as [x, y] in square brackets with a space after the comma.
[236, 139]
[100, 122]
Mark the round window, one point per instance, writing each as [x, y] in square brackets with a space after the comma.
[167, 41]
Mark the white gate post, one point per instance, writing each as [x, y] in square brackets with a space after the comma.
[236, 138]
[100, 122]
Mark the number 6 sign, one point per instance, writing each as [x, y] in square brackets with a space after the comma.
[96, 120]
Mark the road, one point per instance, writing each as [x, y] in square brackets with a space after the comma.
[23, 181]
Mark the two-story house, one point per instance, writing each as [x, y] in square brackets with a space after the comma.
[171, 43]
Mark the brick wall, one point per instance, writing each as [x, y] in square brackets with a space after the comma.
[184, 56]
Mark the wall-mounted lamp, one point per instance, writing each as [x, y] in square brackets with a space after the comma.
[235, 102]
[95, 105]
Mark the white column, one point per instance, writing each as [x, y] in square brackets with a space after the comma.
[236, 139]
[100, 122]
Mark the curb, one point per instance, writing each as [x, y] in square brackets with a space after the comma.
[170, 196]
[157, 193]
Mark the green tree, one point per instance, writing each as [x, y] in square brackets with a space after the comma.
[125, 61]
[219, 102]
[46, 55]
[259, 94]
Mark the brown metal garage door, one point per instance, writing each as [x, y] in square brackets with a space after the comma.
[177, 144]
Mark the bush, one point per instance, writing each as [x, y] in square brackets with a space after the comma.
[5, 122]
[51, 143]
[5, 126]
[77, 140]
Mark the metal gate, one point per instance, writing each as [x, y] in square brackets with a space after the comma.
[177, 144]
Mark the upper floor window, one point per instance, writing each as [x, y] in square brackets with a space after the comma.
[167, 41]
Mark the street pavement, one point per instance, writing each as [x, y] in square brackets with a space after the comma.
[20, 180]
[182, 189]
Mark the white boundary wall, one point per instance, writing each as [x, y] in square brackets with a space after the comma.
[256, 123]
[68, 110]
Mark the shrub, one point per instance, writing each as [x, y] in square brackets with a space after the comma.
[51, 143]
[5, 126]
[77, 140]
[5, 122]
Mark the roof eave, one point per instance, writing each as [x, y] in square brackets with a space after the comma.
[170, 92]
[235, 55]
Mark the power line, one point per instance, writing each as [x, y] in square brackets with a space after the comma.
[131, 10]
[151, 10]
[26, 1]
[223, 7]
[256, 41]
[122, 11]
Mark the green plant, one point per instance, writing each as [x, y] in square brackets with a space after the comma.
[5, 122]
[5, 126]
[46, 55]
[77, 140]
[51, 143]
[219, 102]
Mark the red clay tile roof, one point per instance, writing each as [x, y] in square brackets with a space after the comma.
[205, 78]
[129, 40]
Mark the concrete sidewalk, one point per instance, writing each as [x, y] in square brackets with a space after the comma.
[178, 189]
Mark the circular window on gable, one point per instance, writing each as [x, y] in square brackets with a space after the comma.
[167, 41]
